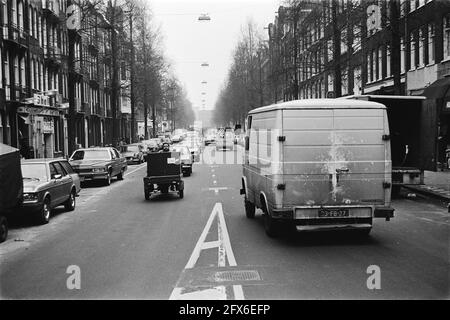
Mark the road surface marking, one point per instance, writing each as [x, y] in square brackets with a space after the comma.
[225, 254]
[134, 170]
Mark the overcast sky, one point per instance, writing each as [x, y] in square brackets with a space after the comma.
[189, 42]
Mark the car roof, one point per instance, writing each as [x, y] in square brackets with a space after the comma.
[95, 148]
[42, 160]
[321, 104]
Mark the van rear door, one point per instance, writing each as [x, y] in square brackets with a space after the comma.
[335, 156]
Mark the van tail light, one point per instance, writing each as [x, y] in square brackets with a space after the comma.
[281, 186]
[386, 185]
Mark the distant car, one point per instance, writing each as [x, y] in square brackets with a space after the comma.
[186, 159]
[134, 153]
[48, 183]
[177, 138]
[209, 138]
[100, 163]
[225, 140]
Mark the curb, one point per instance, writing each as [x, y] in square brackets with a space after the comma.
[429, 193]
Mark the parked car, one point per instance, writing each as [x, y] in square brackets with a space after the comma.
[134, 153]
[48, 183]
[329, 167]
[100, 163]
[186, 159]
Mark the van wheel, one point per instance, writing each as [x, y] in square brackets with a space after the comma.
[120, 175]
[271, 226]
[3, 229]
[249, 209]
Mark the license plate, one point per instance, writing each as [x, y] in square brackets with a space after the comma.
[333, 213]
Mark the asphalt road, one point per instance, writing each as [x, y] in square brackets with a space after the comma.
[203, 247]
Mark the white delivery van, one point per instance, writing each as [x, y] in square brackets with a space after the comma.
[319, 164]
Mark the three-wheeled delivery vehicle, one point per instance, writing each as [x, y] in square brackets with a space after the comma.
[163, 174]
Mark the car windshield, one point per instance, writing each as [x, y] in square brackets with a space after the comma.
[34, 171]
[132, 148]
[91, 155]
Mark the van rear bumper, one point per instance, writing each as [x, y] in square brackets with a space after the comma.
[290, 213]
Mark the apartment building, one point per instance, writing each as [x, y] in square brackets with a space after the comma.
[41, 63]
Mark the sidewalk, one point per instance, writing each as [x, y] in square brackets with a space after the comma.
[436, 184]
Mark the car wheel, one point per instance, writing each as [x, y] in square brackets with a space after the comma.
[181, 193]
[69, 205]
[120, 175]
[147, 194]
[249, 209]
[108, 179]
[3, 228]
[43, 216]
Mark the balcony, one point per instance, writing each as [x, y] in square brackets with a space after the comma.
[15, 35]
[86, 108]
[51, 9]
[53, 56]
[78, 105]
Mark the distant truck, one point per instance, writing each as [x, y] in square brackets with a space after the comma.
[412, 149]
[11, 186]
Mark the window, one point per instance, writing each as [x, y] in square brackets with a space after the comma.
[380, 63]
[16, 70]
[412, 51]
[357, 81]
[59, 168]
[402, 55]
[6, 74]
[1, 68]
[412, 5]
[22, 72]
[1, 127]
[431, 43]
[422, 48]
[402, 7]
[446, 37]
[374, 65]
[53, 171]
[388, 61]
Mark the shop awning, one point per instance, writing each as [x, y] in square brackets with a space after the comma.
[438, 89]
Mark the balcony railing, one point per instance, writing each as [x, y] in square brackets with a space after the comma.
[15, 34]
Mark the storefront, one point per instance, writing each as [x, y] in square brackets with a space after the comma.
[41, 131]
